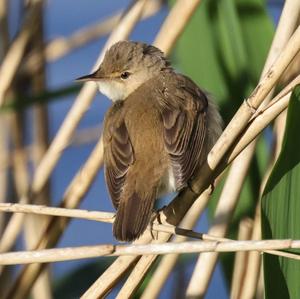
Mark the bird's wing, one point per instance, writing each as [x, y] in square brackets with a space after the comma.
[118, 158]
[183, 109]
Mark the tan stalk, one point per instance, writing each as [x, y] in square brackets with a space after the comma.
[223, 215]
[16, 51]
[244, 233]
[174, 24]
[83, 179]
[82, 252]
[21, 179]
[54, 211]
[253, 263]
[35, 225]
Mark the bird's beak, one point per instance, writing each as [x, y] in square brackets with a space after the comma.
[90, 77]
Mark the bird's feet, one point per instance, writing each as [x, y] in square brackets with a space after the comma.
[155, 217]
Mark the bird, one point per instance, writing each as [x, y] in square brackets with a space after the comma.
[156, 134]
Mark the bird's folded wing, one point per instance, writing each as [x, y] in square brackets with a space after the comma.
[119, 156]
[183, 110]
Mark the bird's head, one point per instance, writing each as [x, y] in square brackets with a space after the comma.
[125, 67]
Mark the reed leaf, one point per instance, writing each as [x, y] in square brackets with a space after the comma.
[281, 208]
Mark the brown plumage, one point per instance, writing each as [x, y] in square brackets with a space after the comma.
[156, 134]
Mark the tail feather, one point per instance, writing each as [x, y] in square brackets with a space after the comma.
[133, 216]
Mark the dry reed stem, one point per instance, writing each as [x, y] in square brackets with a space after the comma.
[247, 109]
[253, 263]
[62, 46]
[14, 226]
[54, 211]
[16, 51]
[35, 225]
[286, 26]
[185, 199]
[109, 217]
[223, 214]
[82, 252]
[258, 124]
[244, 233]
[174, 24]
[12, 231]
[81, 182]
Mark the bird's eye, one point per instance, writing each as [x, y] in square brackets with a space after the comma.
[125, 75]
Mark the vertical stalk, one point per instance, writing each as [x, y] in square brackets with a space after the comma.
[34, 225]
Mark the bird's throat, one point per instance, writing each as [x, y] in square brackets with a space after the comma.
[113, 90]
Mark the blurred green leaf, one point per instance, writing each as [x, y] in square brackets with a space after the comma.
[43, 98]
[281, 209]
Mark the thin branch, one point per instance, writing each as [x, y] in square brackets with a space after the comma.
[76, 253]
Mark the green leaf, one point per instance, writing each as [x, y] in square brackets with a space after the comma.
[281, 209]
[42, 98]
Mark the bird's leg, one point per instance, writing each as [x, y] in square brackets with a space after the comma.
[155, 215]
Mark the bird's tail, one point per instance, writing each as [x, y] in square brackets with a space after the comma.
[133, 216]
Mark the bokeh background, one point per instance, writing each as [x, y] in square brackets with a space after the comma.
[227, 64]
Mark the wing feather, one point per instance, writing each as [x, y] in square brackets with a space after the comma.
[119, 156]
[183, 110]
